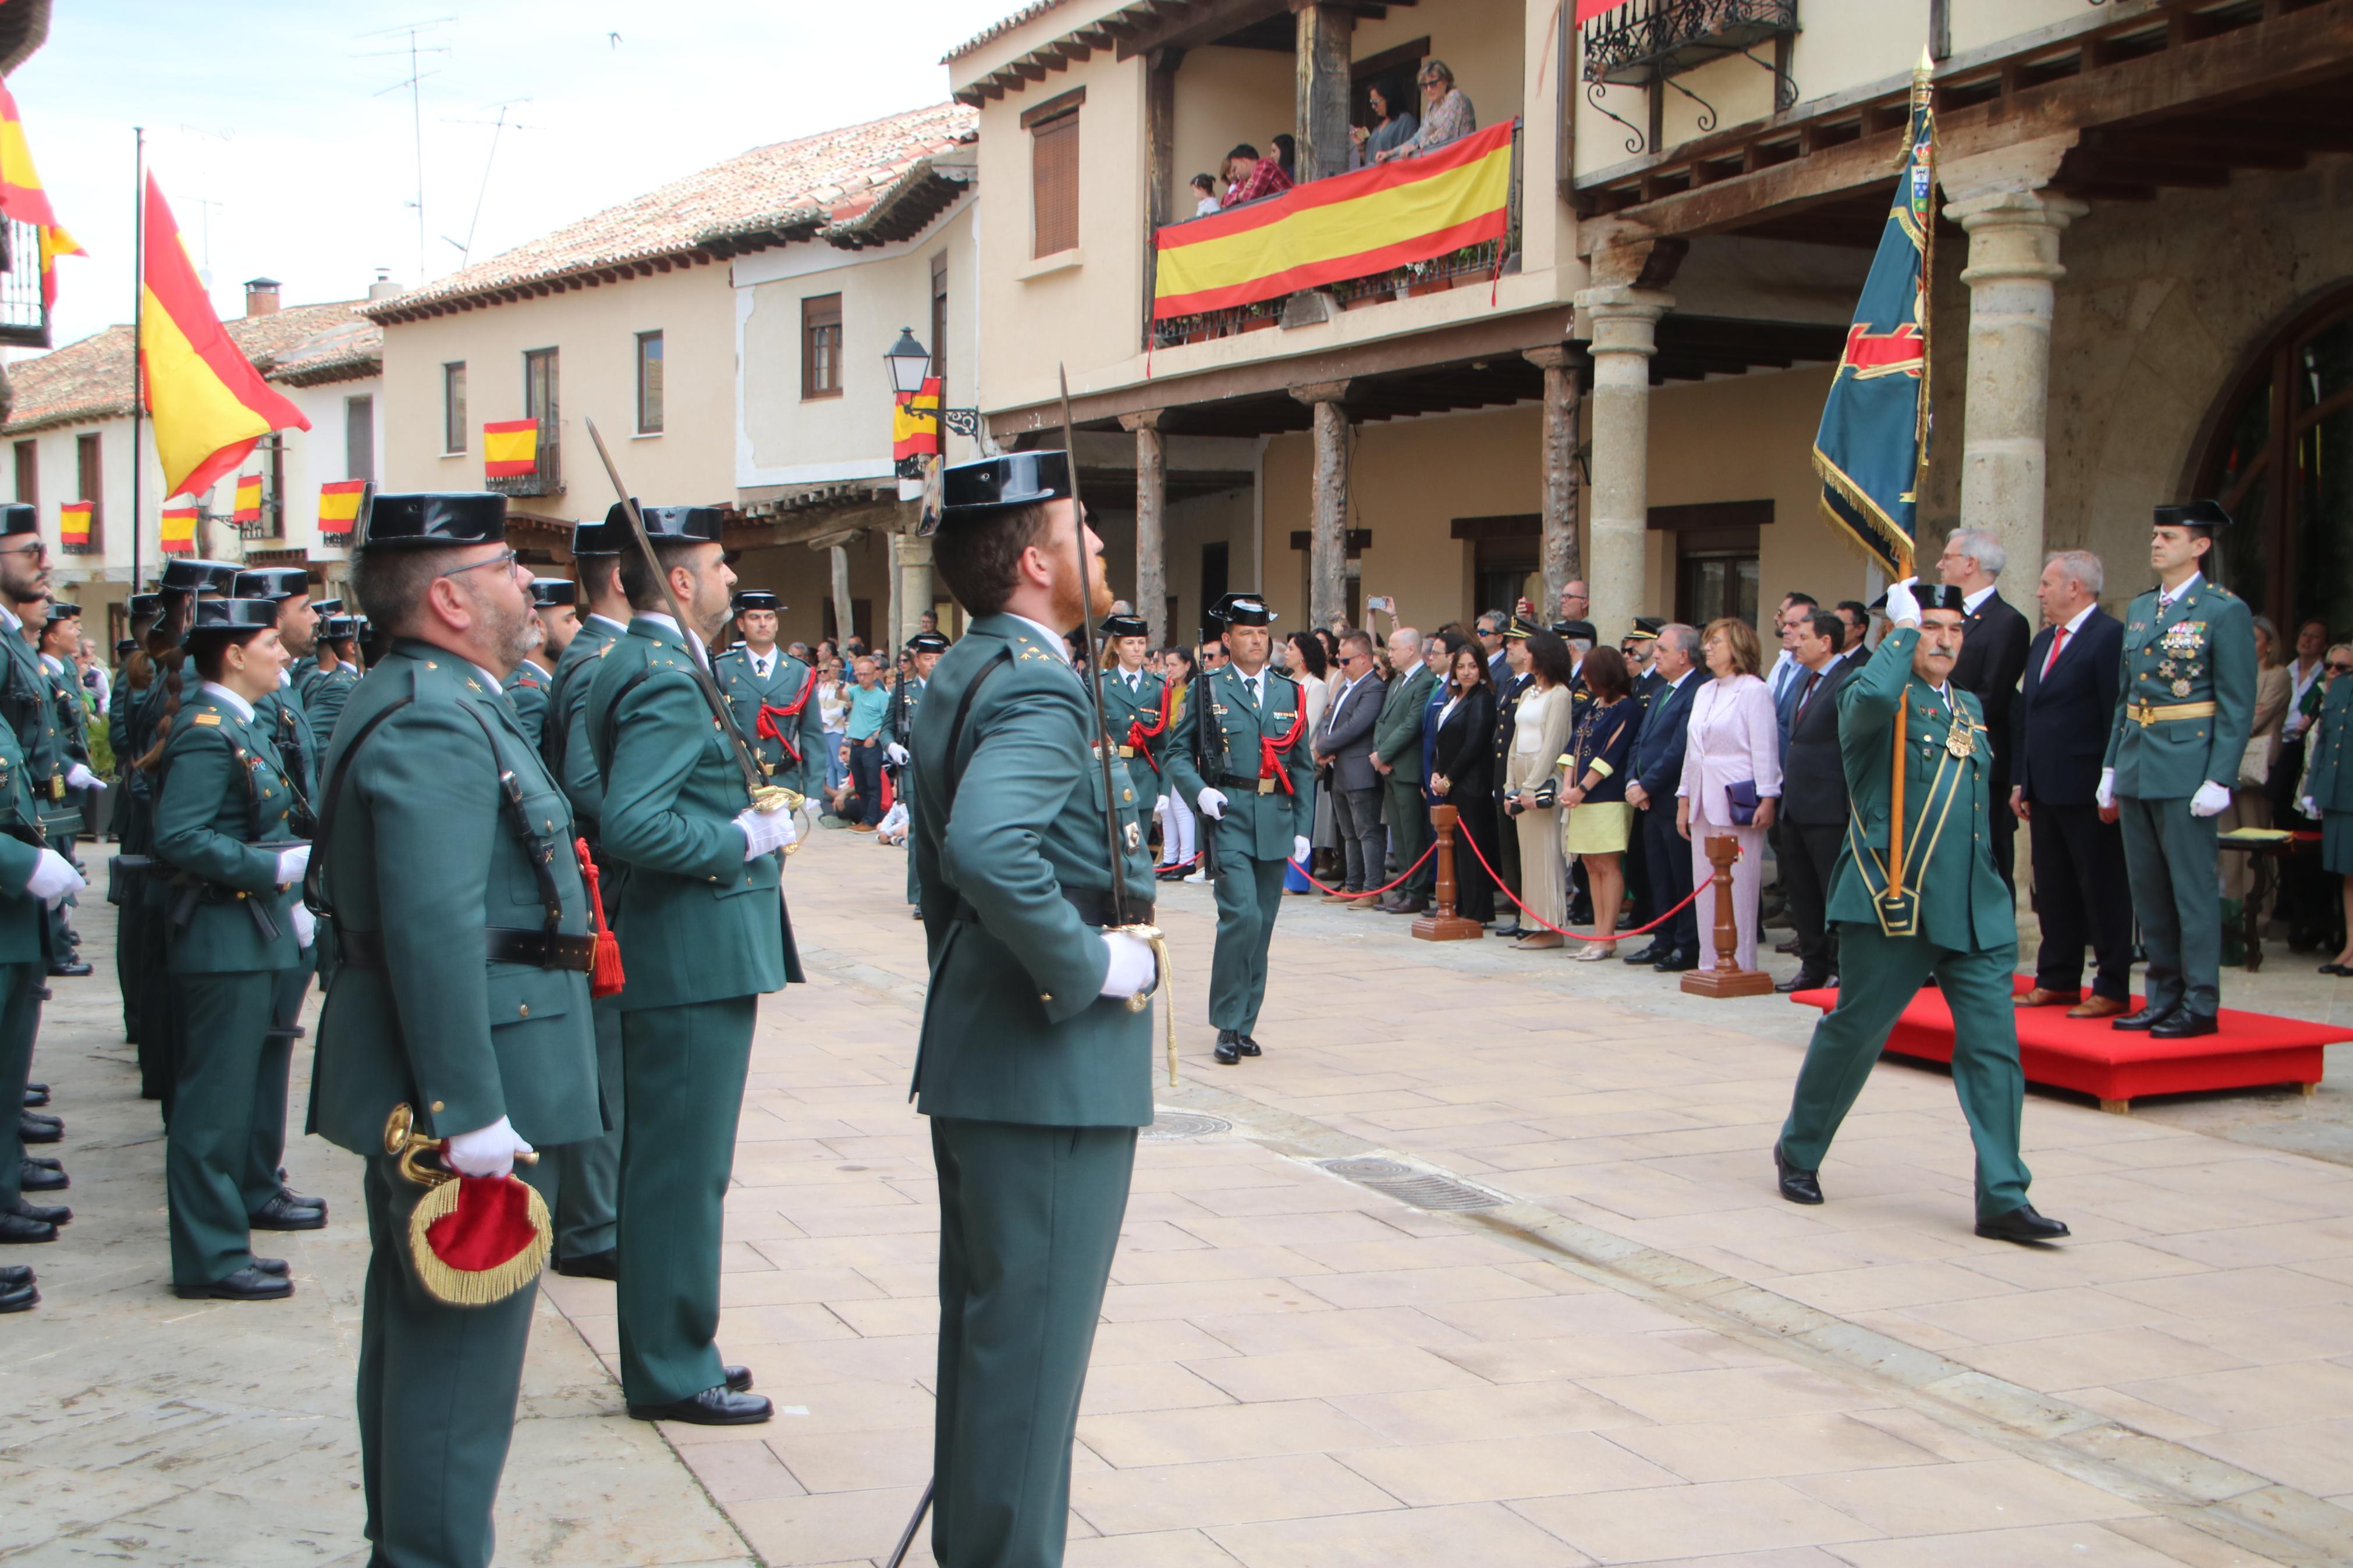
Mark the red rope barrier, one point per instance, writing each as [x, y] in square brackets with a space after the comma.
[1531, 914]
[1371, 892]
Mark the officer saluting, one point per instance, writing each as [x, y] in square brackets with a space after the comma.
[1034, 1070]
[1915, 894]
[774, 697]
[461, 994]
[1240, 752]
[1135, 709]
[553, 611]
[2184, 706]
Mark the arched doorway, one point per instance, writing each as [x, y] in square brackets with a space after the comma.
[2279, 457]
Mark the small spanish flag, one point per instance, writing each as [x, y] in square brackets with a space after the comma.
[339, 507]
[22, 197]
[915, 422]
[509, 448]
[73, 524]
[248, 500]
[180, 529]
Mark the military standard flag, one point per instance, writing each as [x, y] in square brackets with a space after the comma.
[210, 406]
[1872, 445]
[22, 197]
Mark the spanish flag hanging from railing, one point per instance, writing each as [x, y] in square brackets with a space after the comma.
[915, 422]
[180, 529]
[1330, 230]
[339, 507]
[209, 403]
[22, 197]
[73, 524]
[509, 448]
[248, 508]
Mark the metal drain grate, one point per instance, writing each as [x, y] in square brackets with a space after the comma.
[1168, 1124]
[1421, 1189]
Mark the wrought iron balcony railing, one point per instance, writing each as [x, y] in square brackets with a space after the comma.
[546, 479]
[24, 318]
[1649, 43]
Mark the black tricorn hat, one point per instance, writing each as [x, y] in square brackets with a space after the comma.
[977, 489]
[434, 520]
[755, 599]
[927, 642]
[126, 647]
[63, 610]
[19, 517]
[185, 575]
[2193, 514]
[327, 606]
[335, 629]
[1938, 596]
[231, 616]
[1243, 610]
[552, 593]
[146, 607]
[604, 538]
[1567, 630]
[679, 524]
[1126, 626]
[270, 583]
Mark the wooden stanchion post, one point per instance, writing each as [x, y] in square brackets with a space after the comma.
[1728, 978]
[1443, 925]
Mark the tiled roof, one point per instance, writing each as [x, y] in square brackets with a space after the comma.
[809, 182]
[92, 379]
[997, 30]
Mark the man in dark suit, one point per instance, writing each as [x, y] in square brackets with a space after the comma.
[2059, 731]
[1993, 657]
[1658, 764]
[1346, 744]
[1812, 818]
[1397, 757]
[1490, 646]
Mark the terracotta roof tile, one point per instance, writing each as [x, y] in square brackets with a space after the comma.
[999, 29]
[92, 379]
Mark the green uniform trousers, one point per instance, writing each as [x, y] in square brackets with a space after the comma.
[1879, 975]
[128, 914]
[1250, 895]
[216, 1102]
[160, 1025]
[437, 1394]
[684, 1070]
[268, 1146]
[20, 1021]
[1409, 818]
[1029, 1217]
[2175, 893]
[588, 1173]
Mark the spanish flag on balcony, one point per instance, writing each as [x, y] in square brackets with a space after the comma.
[509, 448]
[22, 197]
[1330, 230]
[180, 529]
[73, 524]
[339, 507]
[915, 422]
[209, 403]
[248, 500]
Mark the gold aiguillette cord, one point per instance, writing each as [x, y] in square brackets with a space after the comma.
[1143, 999]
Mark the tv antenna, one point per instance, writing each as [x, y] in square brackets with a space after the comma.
[414, 82]
[466, 251]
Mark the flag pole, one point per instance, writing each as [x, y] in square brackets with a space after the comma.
[138, 320]
[1923, 96]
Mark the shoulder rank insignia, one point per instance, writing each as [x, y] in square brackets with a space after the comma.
[207, 718]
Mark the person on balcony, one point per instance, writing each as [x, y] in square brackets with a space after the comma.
[1446, 114]
[1206, 189]
[1391, 128]
[1249, 177]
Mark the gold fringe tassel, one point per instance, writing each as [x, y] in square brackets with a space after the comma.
[461, 1288]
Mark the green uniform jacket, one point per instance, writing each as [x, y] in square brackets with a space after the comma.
[1122, 710]
[222, 803]
[417, 847]
[526, 692]
[28, 702]
[325, 694]
[698, 922]
[789, 681]
[22, 916]
[73, 715]
[282, 717]
[1013, 1028]
[1947, 858]
[2203, 650]
[565, 744]
[1397, 733]
[1259, 824]
[2328, 777]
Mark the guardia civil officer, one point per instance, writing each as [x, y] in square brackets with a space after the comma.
[461, 992]
[703, 933]
[1917, 898]
[328, 688]
[131, 685]
[1032, 1068]
[922, 656]
[773, 696]
[554, 606]
[300, 672]
[29, 703]
[1135, 710]
[2185, 703]
[1240, 752]
[60, 639]
[228, 840]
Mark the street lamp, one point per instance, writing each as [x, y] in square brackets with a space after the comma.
[908, 362]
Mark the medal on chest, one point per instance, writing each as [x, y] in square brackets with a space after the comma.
[1961, 739]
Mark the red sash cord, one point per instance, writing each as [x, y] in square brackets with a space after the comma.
[765, 729]
[1138, 736]
[1272, 747]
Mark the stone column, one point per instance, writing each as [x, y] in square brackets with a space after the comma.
[912, 559]
[1325, 32]
[1625, 335]
[2012, 273]
[1561, 561]
[1328, 570]
[1151, 523]
[844, 622]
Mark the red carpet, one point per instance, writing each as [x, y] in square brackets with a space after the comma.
[2252, 1050]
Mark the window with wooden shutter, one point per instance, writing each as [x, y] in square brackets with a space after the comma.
[1054, 183]
[821, 346]
[29, 472]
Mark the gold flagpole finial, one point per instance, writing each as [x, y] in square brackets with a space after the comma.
[1927, 67]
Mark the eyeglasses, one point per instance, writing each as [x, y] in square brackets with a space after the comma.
[504, 560]
[2340, 669]
[37, 550]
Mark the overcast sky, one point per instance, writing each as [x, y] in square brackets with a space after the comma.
[271, 111]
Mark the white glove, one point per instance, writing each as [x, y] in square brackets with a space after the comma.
[53, 879]
[1213, 805]
[1300, 848]
[2209, 800]
[1901, 606]
[486, 1151]
[292, 861]
[764, 830]
[1133, 969]
[897, 753]
[2310, 806]
[306, 924]
[2106, 794]
[79, 776]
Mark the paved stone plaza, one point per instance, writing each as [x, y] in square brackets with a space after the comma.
[1628, 1350]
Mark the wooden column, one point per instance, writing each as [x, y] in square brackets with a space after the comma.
[1325, 34]
[1726, 978]
[1443, 925]
[1327, 568]
[1562, 561]
[1151, 523]
[1159, 160]
[844, 623]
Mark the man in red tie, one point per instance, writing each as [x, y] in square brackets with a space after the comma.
[2058, 728]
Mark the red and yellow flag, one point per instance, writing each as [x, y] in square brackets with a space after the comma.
[209, 403]
[509, 448]
[339, 507]
[915, 421]
[73, 524]
[180, 529]
[22, 197]
[248, 500]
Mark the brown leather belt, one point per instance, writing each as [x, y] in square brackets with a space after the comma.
[501, 945]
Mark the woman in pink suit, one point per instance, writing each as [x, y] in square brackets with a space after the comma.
[1733, 740]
